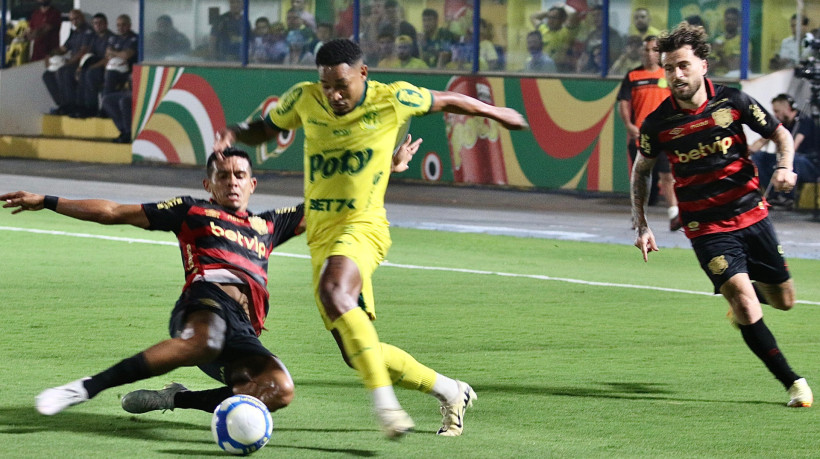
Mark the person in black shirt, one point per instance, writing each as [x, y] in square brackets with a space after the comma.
[217, 320]
[61, 67]
[700, 130]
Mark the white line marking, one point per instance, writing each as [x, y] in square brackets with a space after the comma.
[392, 265]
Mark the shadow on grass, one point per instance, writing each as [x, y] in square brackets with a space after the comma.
[610, 390]
[23, 420]
[26, 420]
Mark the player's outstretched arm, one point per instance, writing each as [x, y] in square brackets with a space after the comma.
[404, 154]
[253, 133]
[94, 210]
[453, 102]
[639, 191]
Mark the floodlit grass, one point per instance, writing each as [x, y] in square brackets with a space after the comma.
[597, 368]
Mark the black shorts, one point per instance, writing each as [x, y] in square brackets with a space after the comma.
[240, 337]
[753, 250]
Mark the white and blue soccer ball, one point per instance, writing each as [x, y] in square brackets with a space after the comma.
[241, 424]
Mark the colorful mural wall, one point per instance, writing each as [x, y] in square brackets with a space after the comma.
[577, 141]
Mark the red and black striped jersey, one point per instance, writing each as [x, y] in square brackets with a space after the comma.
[213, 238]
[715, 181]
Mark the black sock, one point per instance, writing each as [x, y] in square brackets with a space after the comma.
[761, 341]
[205, 400]
[759, 294]
[127, 371]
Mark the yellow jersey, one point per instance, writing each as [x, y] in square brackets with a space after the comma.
[347, 158]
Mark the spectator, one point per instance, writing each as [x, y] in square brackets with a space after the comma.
[538, 61]
[343, 13]
[61, 68]
[435, 43]
[166, 40]
[788, 55]
[806, 145]
[324, 33]
[641, 24]
[257, 50]
[726, 47]
[386, 46]
[225, 41]
[558, 34]
[117, 106]
[642, 91]
[44, 30]
[307, 18]
[297, 50]
[594, 38]
[487, 50]
[592, 61]
[372, 16]
[403, 58]
[294, 21]
[393, 19]
[122, 55]
[631, 57]
[91, 72]
[463, 56]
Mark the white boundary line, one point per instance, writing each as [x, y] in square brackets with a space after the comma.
[392, 265]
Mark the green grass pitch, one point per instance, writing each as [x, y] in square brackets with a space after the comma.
[570, 353]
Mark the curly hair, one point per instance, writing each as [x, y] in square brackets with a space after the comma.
[685, 34]
[338, 51]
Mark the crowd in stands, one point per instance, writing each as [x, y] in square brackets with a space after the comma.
[572, 39]
[94, 62]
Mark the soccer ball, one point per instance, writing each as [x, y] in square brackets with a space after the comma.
[241, 424]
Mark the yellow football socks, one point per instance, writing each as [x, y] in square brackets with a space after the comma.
[406, 371]
[361, 342]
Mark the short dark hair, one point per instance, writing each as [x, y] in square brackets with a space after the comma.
[429, 12]
[210, 167]
[338, 51]
[783, 97]
[100, 16]
[685, 34]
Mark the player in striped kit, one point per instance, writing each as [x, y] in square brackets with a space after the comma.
[700, 131]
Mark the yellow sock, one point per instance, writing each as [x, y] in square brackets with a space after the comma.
[362, 346]
[406, 371]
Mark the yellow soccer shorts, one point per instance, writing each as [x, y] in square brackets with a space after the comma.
[364, 243]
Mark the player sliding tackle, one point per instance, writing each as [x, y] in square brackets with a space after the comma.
[217, 320]
[351, 126]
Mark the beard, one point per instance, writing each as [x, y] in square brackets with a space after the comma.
[688, 92]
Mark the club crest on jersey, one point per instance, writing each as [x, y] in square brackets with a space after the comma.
[259, 225]
[723, 117]
[757, 112]
[718, 265]
[410, 97]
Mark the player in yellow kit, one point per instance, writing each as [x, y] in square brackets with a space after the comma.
[352, 127]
